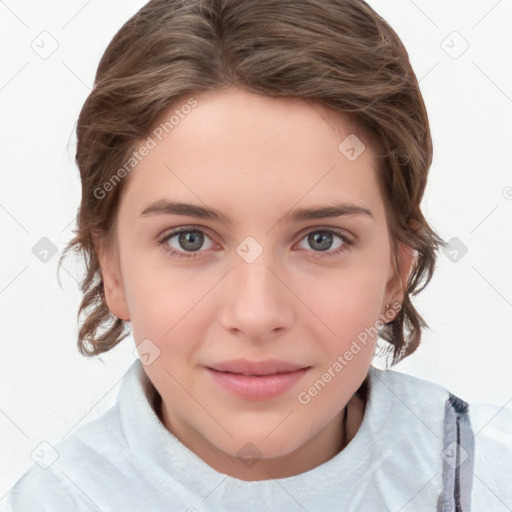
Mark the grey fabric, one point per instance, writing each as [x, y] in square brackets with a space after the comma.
[458, 457]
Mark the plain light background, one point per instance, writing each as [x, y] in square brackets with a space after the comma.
[458, 50]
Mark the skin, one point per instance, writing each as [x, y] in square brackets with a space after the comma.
[255, 158]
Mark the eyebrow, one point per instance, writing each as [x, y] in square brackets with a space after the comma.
[165, 207]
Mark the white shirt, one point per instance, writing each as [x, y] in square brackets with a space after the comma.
[126, 460]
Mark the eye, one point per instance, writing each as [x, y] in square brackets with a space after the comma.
[321, 240]
[188, 242]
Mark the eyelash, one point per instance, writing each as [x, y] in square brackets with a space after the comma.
[347, 243]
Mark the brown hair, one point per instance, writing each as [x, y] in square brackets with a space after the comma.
[337, 53]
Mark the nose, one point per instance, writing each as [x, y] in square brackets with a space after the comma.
[256, 304]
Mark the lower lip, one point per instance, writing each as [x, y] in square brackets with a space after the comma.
[252, 387]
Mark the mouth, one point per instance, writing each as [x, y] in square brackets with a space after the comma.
[256, 380]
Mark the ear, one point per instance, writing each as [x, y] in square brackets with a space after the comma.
[108, 256]
[400, 274]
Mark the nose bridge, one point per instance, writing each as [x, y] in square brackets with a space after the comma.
[254, 282]
[256, 301]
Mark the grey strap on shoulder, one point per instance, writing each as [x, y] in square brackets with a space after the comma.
[458, 457]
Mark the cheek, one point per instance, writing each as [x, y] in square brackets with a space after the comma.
[348, 346]
[347, 300]
[158, 296]
[168, 308]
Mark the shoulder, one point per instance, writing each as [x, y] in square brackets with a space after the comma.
[489, 423]
[492, 424]
[409, 397]
[490, 420]
[42, 490]
[102, 461]
[487, 420]
[492, 431]
[406, 385]
[442, 423]
[71, 466]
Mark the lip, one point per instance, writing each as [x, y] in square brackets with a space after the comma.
[256, 380]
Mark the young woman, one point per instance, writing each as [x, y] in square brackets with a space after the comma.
[252, 174]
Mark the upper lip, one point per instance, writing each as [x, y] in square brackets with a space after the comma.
[246, 367]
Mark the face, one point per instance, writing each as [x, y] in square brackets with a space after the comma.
[254, 297]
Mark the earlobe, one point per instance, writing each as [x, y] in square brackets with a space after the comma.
[112, 280]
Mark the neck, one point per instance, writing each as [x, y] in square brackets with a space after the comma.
[342, 428]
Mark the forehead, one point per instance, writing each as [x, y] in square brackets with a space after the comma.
[253, 152]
